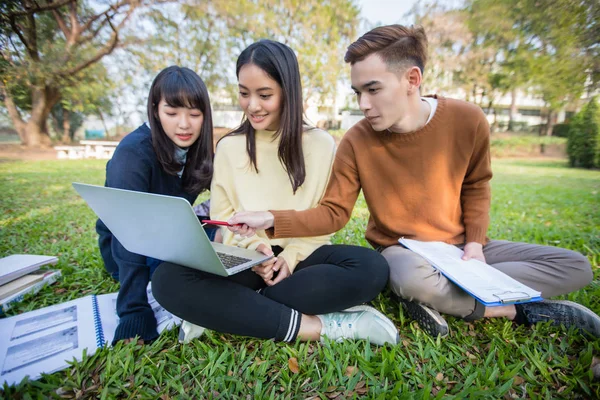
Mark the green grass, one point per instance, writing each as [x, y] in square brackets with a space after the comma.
[540, 202]
[522, 144]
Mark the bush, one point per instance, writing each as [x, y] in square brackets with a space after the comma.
[583, 145]
[560, 130]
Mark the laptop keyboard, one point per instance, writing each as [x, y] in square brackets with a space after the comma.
[230, 261]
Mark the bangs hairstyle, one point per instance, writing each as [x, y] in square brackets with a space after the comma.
[182, 87]
[398, 46]
[280, 63]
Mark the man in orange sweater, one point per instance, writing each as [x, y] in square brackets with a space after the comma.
[423, 164]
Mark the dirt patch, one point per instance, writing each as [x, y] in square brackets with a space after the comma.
[11, 151]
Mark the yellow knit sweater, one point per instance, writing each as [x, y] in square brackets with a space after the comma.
[236, 186]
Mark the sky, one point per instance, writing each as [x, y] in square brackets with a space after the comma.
[384, 12]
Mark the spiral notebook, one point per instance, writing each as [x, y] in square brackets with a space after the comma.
[45, 340]
[485, 283]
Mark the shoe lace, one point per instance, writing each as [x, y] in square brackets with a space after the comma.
[343, 326]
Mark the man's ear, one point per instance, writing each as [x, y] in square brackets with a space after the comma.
[414, 77]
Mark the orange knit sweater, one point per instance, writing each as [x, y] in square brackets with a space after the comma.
[431, 184]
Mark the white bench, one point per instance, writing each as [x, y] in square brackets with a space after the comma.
[69, 152]
[102, 149]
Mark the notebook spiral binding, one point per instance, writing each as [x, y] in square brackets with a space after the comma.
[97, 323]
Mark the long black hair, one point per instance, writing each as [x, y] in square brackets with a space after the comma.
[280, 63]
[182, 87]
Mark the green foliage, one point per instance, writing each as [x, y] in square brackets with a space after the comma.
[538, 202]
[545, 48]
[50, 52]
[561, 130]
[206, 36]
[583, 146]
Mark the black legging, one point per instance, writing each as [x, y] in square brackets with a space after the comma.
[332, 278]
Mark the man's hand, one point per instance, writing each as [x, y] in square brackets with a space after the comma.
[265, 270]
[473, 250]
[246, 223]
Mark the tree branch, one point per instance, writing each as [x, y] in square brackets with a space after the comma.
[115, 8]
[107, 49]
[32, 38]
[32, 10]
[18, 30]
[86, 38]
[75, 27]
[61, 23]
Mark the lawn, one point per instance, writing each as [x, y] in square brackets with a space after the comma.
[536, 201]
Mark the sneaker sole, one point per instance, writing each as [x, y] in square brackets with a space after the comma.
[389, 325]
[423, 318]
[181, 336]
[581, 308]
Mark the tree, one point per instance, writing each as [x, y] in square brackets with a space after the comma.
[508, 53]
[208, 36]
[318, 32]
[459, 57]
[91, 96]
[47, 47]
[584, 137]
[546, 47]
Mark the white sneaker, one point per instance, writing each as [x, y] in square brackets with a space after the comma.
[189, 331]
[359, 322]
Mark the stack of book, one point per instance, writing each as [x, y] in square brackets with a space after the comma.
[20, 274]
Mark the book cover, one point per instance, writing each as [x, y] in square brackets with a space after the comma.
[17, 265]
[21, 283]
[49, 278]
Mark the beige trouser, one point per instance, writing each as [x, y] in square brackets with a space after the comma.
[550, 270]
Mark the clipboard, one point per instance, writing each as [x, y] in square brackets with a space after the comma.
[486, 284]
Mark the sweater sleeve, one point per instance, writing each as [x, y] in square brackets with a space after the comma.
[475, 192]
[221, 207]
[333, 211]
[128, 169]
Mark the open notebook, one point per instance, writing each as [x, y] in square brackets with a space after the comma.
[485, 283]
[45, 340]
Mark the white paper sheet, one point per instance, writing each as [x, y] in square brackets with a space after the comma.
[484, 282]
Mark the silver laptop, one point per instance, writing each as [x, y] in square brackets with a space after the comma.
[165, 228]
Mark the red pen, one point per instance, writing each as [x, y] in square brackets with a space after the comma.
[213, 222]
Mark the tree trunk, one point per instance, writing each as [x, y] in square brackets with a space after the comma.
[43, 99]
[550, 122]
[512, 110]
[15, 115]
[103, 123]
[66, 127]
[494, 124]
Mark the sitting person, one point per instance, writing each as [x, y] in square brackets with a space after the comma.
[310, 289]
[172, 155]
[423, 164]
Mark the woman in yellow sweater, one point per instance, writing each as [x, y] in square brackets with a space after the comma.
[274, 160]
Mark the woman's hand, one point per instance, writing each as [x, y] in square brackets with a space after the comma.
[265, 270]
[284, 271]
[272, 266]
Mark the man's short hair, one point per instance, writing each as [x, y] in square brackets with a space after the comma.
[398, 46]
